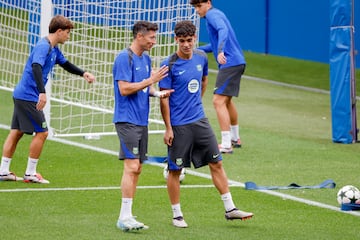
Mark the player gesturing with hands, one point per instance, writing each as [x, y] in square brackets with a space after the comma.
[133, 85]
[128, 88]
[90, 78]
[30, 99]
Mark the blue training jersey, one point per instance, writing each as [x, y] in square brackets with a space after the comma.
[133, 108]
[222, 39]
[47, 57]
[185, 77]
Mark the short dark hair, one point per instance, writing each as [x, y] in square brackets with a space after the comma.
[143, 27]
[60, 22]
[185, 29]
[194, 2]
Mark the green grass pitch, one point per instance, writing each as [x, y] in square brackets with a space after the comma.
[286, 135]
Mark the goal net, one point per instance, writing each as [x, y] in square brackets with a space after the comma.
[102, 29]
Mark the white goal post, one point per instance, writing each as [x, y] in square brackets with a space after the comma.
[102, 29]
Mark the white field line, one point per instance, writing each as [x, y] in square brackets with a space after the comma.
[191, 172]
[231, 182]
[94, 188]
[309, 89]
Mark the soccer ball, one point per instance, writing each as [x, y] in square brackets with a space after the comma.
[181, 177]
[348, 194]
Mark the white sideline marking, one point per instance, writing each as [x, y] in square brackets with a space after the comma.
[94, 188]
[231, 182]
[309, 89]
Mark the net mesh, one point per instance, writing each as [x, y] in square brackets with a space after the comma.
[102, 29]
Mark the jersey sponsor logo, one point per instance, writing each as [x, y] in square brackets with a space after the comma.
[182, 72]
[193, 86]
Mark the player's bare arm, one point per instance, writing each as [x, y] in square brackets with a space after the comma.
[165, 112]
[204, 85]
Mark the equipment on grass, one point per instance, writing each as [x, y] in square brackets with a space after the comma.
[348, 195]
[166, 173]
[350, 207]
[156, 159]
[102, 29]
[325, 184]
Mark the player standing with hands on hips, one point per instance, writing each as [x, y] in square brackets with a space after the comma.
[133, 84]
[231, 63]
[30, 98]
[188, 133]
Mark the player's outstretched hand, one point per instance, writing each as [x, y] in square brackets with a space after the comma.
[89, 77]
[163, 93]
[162, 72]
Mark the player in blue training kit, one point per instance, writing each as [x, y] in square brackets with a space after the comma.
[133, 84]
[188, 134]
[30, 98]
[231, 64]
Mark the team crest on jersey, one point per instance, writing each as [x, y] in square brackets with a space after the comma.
[193, 86]
[199, 67]
[136, 150]
[179, 161]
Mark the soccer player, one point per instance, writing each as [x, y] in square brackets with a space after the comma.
[188, 134]
[30, 98]
[133, 83]
[231, 64]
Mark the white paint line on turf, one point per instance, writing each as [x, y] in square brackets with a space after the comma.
[94, 188]
[309, 89]
[191, 172]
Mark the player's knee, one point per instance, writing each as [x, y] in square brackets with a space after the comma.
[46, 134]
[219, 101]
[135, 169]
[42, 135]
[15, 134]
[215, 166]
